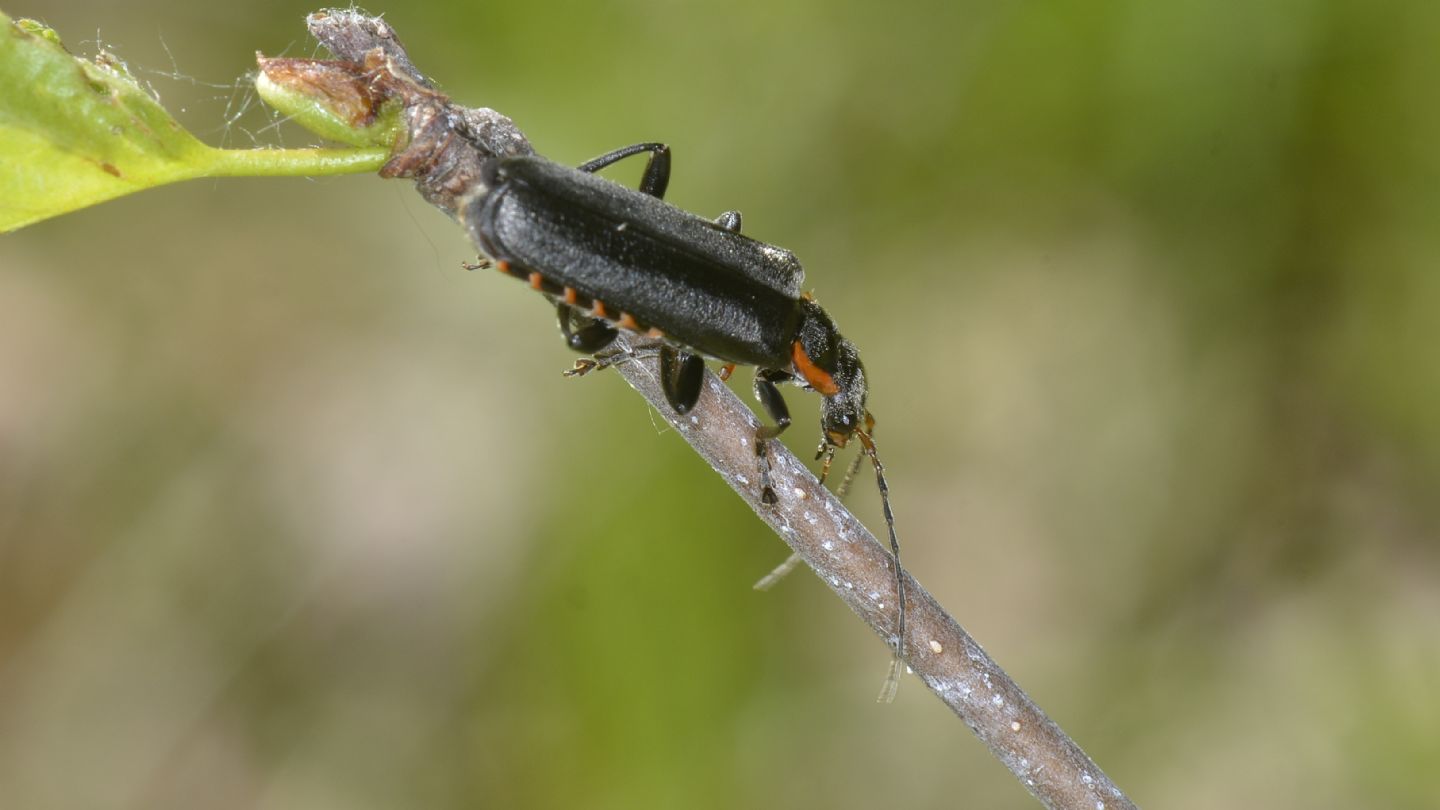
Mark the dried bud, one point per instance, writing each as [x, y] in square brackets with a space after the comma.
[331, 98]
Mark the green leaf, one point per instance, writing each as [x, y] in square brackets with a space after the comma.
[74, 133]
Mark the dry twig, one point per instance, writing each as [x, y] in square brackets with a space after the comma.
[857, 567]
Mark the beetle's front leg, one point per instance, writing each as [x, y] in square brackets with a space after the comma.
[657, 169]
[774, 405]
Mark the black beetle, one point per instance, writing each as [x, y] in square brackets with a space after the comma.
[612, 258]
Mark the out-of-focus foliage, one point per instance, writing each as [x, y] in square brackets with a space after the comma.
[295, 512]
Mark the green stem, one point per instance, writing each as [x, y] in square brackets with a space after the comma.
[292, 162]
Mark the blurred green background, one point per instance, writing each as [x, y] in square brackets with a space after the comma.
[297, 513]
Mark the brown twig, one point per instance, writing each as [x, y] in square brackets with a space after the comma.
[444, 152]
[857, 567]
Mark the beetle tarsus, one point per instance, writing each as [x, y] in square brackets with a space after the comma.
[583, 366]
[767, 495]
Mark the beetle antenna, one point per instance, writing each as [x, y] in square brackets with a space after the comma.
[781, 571]
[844, 488]
[892, 681]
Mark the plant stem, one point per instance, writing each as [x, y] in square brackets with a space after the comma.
[293, 162]
[857, 567]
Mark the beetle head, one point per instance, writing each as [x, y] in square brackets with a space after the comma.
[830, 364]
[843, 413]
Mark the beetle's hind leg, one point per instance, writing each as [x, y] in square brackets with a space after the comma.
[657, 170]
[584, 334]
[771, 400]
[589, 336]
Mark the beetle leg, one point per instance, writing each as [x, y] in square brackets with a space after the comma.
[590, 337]
[682, 376]
[657, 169]
[730, 221]
[774, 405]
